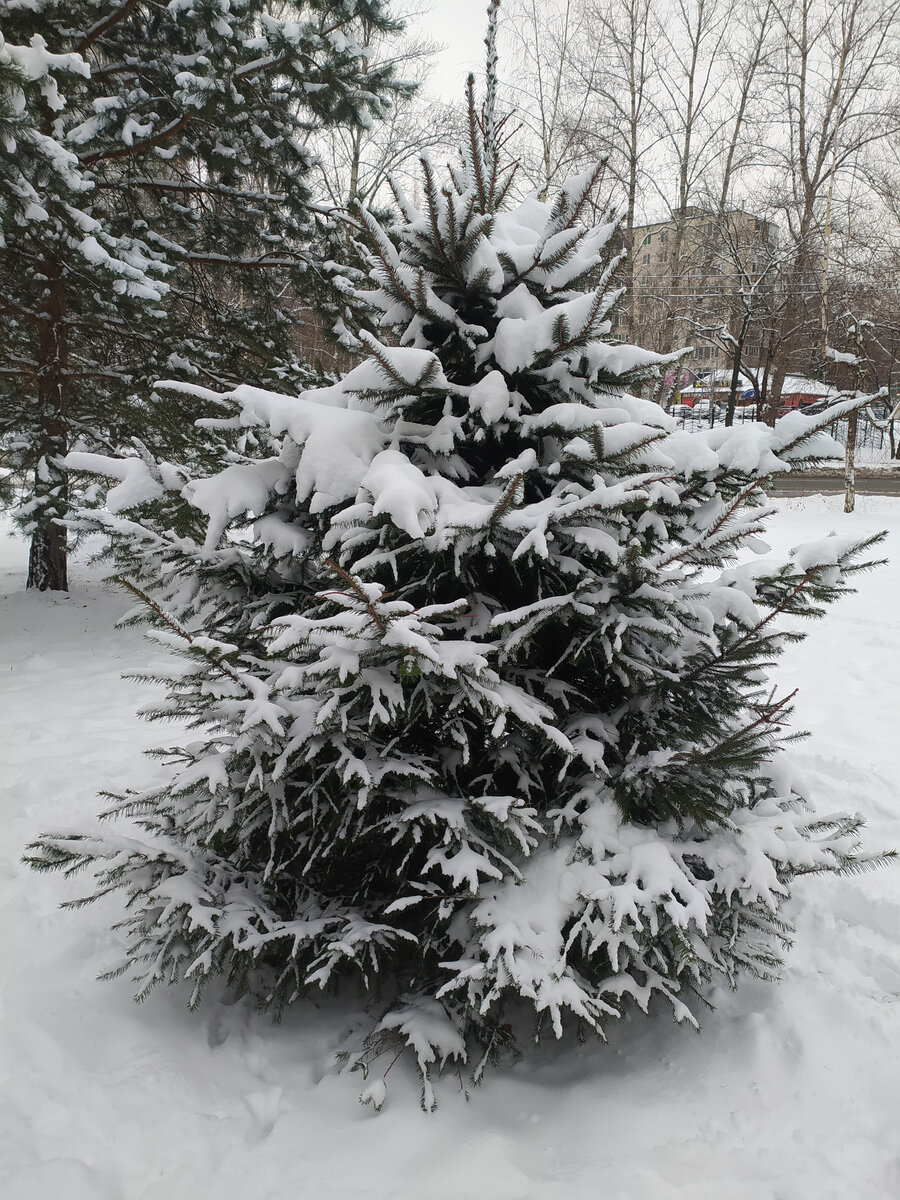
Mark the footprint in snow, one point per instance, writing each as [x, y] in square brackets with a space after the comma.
[265, 1107]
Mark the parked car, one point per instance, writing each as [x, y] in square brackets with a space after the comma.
[703, 410]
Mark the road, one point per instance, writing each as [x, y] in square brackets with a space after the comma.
[868, 483]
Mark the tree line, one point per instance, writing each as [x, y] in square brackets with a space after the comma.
[789, 112]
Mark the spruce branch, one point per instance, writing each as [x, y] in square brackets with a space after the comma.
[507, 500]
[571, 218]
[729, 650]
[685, 551]
[476, 160]
[385, 252]
[768, 716]
[179, 630]
[649, 440]
[97, 31]
[433, 195]
[140, 147]
[451, 235]
[359, 593]
[378, 353]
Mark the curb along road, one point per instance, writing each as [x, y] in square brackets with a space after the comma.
[868, 483]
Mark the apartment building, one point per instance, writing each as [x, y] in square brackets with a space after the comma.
[688, 276]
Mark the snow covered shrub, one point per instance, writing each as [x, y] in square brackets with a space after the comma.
[475, 664]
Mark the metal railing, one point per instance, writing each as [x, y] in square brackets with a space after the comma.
[876, 440]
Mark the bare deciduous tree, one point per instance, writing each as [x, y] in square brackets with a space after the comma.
[623, 84]
[554, 102]
[838, 70]
[356, 164]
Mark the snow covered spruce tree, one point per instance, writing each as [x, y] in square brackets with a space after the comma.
[171, 229]
[476, 684]
[33, 167]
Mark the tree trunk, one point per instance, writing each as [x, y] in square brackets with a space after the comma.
[353, 187]
[776, 384]
[849, 464]
[47, 566]
[735, 382]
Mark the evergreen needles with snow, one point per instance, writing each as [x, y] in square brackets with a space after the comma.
[476, 679]
[156, 214]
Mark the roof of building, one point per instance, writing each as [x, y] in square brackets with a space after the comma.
[794, 385]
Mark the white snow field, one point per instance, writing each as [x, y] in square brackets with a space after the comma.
[792, 1091]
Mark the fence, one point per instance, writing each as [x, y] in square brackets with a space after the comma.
[877, 440]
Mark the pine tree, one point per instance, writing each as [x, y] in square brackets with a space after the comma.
[476, 681]
[168, 220]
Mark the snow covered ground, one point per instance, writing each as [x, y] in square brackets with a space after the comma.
[792, 1092]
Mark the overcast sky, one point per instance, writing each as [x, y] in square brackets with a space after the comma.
[460, 26]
